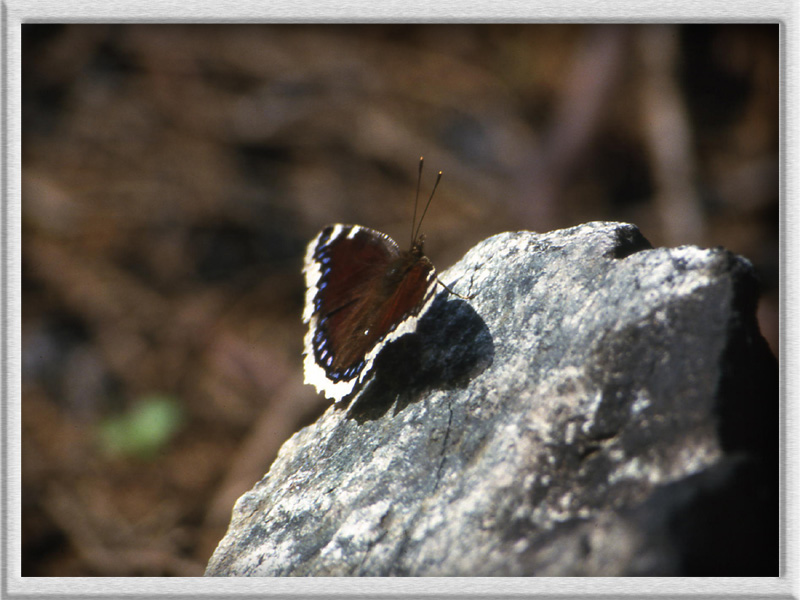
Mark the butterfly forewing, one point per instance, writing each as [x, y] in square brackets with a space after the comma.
[362, 292]
[351, 263]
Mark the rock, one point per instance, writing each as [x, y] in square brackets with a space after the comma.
[598, 408]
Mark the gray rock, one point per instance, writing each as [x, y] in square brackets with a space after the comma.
[599, 408]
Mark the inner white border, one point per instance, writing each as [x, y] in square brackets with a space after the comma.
[226, 11]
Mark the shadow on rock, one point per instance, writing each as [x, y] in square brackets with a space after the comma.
[452, 345]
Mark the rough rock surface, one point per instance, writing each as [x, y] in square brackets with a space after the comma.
[599, 408]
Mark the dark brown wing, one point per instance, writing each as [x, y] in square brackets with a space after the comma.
[351, 262]
[393, 297]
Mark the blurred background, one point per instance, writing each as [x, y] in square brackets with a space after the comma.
[172, 176]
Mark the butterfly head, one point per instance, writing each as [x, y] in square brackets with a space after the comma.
[417, 246]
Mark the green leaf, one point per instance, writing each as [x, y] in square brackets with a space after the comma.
[144, 429]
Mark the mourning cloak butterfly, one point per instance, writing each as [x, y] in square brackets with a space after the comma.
[362, 292]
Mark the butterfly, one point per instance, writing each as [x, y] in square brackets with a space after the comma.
[362, 292]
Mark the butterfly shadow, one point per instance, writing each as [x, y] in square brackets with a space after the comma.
[451, 346]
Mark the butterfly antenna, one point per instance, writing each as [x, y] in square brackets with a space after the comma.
[416, 200]
[433, 191]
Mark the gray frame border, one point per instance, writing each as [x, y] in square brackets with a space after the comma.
[15, 12]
